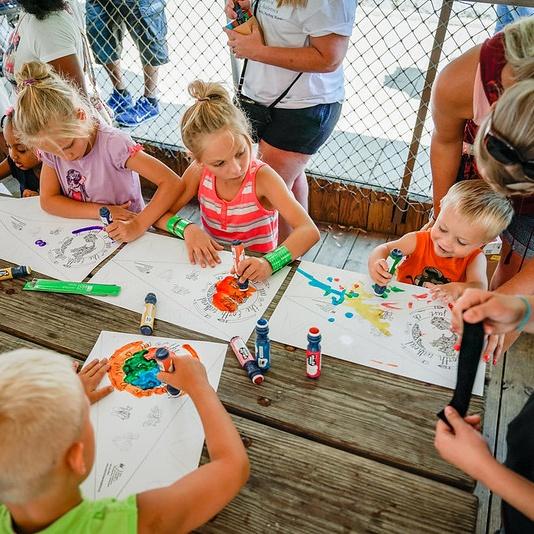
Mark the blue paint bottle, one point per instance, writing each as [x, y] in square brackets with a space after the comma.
[105, 216]
[263, 345]
[394, 258]
[165, 364]
[313, 353]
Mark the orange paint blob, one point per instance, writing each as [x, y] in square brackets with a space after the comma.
[228, 296]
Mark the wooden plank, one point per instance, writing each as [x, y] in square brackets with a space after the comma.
[299, 486]
[518, 385]
[494, 377]
[353, 207]
[414, 218]
[336, 248]
[324, 198]
[312, 253]
[362, 247]
[380, 217]
[352, 407]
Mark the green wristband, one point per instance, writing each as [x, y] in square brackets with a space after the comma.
[278, 258]
[526, 317]
[176, 225]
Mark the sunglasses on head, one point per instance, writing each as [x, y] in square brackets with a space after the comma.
[507, 154]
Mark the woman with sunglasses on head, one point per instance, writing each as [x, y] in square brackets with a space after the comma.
[504, 152]
[462, 97]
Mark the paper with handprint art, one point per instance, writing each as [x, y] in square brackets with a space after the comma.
[404, 332]
[145, 438]
[67, 249]
[206, 300]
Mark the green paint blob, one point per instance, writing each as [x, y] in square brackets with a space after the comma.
[397, 289]
[141, 372]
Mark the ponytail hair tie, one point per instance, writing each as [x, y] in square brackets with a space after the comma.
[203, 99]
[29, 82]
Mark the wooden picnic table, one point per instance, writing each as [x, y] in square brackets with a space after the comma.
[350, 452]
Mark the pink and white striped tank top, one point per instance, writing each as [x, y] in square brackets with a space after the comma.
[242, 218]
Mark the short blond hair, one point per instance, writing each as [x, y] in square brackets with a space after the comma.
[48, 106]
[42, 406]
[212, 111]
[481, 205]
[519, 48]
[513, 120]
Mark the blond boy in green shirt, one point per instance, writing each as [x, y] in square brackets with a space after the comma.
[47, 450]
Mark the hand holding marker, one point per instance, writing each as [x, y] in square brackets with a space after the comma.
[105, 216]
[238, 255]
[393, 261]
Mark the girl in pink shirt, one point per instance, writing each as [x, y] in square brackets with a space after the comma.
[239, 196]
[87, 164]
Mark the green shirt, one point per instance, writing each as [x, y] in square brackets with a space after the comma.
[106, 516]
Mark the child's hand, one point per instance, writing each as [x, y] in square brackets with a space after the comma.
[121, 212]
[91, 375]
[464, 446]
[446, 293]
[229, 8]
[202, 249]
[378, 271]
[124, 231]
[189, 374]
[254, 269]
[29, 193]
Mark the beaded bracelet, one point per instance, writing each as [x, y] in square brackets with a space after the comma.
[176, 225]
[278, 258]
[526, 317]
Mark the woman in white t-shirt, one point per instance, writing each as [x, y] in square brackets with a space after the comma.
[47, 31]
[299, 36]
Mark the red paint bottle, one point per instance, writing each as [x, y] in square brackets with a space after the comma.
[313, 354]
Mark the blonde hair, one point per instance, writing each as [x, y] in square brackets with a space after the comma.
[212, 111]
[481, 205]
[48, 106]
[42, 406]
[292, 3]
[519, 48]
[513, 120]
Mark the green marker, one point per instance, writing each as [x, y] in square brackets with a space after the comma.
[76, 288]
[394, 258]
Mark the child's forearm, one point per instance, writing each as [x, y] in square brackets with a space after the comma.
[71, 209]
[159, 207]
[379, 253]
[301, 240]
[516, 490]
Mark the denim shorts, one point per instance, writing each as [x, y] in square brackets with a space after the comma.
[295, 130]
[520, 235]
[145, 20]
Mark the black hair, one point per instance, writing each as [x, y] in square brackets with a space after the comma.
[41, 8]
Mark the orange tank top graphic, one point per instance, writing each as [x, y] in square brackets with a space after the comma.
[424, 265]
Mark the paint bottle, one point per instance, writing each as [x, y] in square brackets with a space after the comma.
[263, 345]
[105, 216]
[149, 314]
[165, 364]
[313, 353]
[7, 273]
[246, 360]
[238, 255]
[393, 261]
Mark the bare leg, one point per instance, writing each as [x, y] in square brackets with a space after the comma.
[512, 281]
[290, 166]
[115, 75]
[150, 74]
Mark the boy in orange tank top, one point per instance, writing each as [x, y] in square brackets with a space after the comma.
[448, 258]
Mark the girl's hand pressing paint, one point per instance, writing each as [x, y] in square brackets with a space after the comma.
[201, 248]
[91, 376]
[125, 231]
[254, 269]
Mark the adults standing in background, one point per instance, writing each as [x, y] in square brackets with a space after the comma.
[145, 20]
[48, 31]
[301, 46]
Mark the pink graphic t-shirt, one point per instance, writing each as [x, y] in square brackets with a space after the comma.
[101, 176]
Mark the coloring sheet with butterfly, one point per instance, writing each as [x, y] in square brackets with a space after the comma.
[205, 300]
[67, 249]
[403, 332]
[145, 438]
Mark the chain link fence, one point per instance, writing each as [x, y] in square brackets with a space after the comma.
[382, 140]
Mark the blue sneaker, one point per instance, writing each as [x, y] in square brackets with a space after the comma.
[119, 102]
[141, 112]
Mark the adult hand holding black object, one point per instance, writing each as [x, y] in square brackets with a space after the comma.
[468, 360]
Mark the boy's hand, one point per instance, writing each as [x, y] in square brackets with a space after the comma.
[91, 375]
[125, 231]
[121, 212]
[254, 269]
[378, 271]
[229, 8]
[188, 375]
[446, 293]
[29, 193]
[202, 249]
[464, 446]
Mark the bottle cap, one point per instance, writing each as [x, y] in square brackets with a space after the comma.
[162, 353]
[150, 298]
